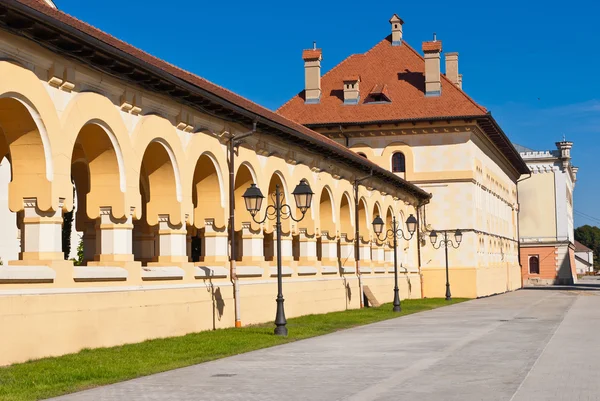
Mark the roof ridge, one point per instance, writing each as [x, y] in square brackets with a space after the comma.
[469, 98]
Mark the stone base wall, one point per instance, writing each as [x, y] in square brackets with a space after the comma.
[39, 322]
[471, 282]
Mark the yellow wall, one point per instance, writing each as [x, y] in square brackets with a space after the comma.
[103, 316]
[538, 213]
[151, 170]
[473, 188]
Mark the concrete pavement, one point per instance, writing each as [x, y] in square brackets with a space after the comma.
[527, 345]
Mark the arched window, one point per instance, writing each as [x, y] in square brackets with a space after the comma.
[363, 155]
[398, 163]
[534, 265]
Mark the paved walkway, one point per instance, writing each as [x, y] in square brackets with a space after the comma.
[525, 346]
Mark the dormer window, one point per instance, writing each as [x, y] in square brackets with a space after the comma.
[379, 94]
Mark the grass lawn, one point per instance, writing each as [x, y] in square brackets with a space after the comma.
[50, 377]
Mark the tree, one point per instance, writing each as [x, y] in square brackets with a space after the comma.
[67, 227]
[590, 237]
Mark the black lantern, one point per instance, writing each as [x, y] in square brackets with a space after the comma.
[303, 195]
[253, 198]
[411, 224]
[458, 236]
[433, 237]
[378, 225]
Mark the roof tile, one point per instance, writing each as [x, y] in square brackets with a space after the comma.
[401, 70]
[312, 54]
[434, 46]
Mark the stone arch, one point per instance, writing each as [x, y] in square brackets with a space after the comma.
[97, 149]
[286, 224]
[161, 172]
[92, 109]
[208, 200]
[388, 219]
[208, 191]
[377, 211]
[157, 134]
[346, 220]
[326, 219]
[30, 133]
[244, 177]
[364, 223]
[159, 196]
[24, 141]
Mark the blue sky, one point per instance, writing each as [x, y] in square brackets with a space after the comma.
[531, 63]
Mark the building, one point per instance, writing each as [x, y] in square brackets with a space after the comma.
[584, 259]
[148, 148]
[393, 106]
[546, 220]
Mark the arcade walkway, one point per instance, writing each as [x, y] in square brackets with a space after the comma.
[527, 345]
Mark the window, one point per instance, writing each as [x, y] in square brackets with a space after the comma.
[398, 163]
[363, 155]
[534, 265]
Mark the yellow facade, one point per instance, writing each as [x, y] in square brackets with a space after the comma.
[150, 175]
[474, 189]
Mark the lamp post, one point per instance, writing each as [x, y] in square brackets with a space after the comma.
[445, 242]
[411, 226]
[253, 198]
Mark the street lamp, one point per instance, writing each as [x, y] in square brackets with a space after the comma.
[253, 198]
[411, 227]
[445, 242]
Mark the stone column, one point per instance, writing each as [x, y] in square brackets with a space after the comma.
[252, 244]
[308, 248]
[378, 254]
[215, 243]
[389, 255]
[346, 249]
[172, 244]
[114, 237]
[42, 232]
[329, 251]
[365, 253]
[287, 248]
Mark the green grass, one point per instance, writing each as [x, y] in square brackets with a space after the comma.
[90, 368]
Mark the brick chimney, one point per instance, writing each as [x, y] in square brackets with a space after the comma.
[396, 30]
[351, 89]
[432, 50]
[452, 69]
[312, 74]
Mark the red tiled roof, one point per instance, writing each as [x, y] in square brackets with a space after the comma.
[63, 21]
[311, 54]
[579, 247]
[401, 69]
[352, 78]
[435, 46]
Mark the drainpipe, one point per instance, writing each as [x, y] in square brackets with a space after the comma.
[519, 229]
[234, 141]
[419, 205]
[356, 236]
